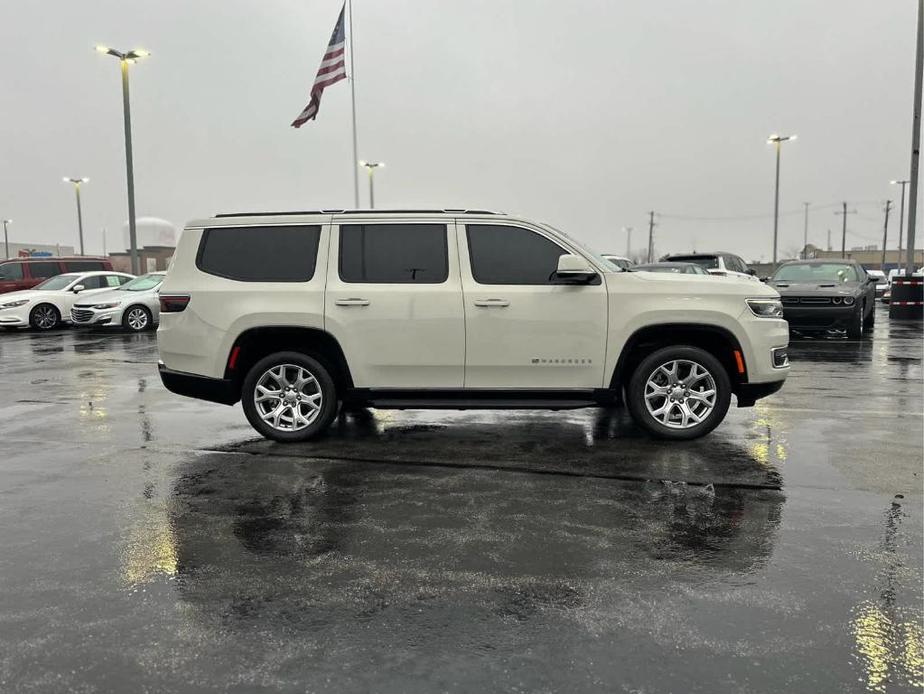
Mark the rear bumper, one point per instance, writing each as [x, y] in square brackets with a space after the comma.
[220, 390]
[749, 393]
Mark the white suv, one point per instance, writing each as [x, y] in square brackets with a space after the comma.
[296, 314]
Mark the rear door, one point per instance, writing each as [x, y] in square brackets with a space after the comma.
[12, 277]
[394, 302]
[40, 270]
[523, 330]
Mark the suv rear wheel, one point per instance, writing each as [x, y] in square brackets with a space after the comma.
[289, 396]
[679, 393]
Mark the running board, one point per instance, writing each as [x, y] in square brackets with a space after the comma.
[479, 399]
[479, 404]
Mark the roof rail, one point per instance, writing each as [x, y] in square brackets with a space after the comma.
[452, 210]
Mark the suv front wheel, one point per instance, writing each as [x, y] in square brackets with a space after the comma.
[289, 396]
[679, 393]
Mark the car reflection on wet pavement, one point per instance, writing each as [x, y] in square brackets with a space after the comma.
[152, 543]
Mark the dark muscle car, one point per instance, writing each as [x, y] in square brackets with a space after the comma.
[822, 296]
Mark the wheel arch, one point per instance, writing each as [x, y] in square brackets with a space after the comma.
[255, 343]
[715, 339]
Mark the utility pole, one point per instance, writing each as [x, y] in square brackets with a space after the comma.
[829, 239]
[885, 233]
[915, 140]
[628, 231]
[901, 220]
[6, 237]
[805, 232]
[650, 234]
[104, 241]
[845, 212]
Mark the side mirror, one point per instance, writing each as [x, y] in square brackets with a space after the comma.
[752, 272]
[764, 279]
[573, 269]
[77, 288]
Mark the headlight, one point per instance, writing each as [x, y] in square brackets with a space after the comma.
[14, 304]
[766, 308]
[848, 301]
[110, 305]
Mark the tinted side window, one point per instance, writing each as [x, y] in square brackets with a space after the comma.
[260, 254]
[44, 270]
[93, 282]
[511, 255]
[83, 266]
[394, 253]
[11, 271]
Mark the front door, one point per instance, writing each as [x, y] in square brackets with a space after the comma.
[394, 302]
[523, 330]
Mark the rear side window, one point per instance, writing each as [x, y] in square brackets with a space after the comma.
[83, 266]
[260, 254]
[11, 271]
[44, 270]
[511, 255]
[394, 253]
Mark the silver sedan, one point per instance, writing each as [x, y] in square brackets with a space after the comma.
[134, 306]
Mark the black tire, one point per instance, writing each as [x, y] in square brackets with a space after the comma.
[871, 318]
[635, 392]
[857, 324]
[128, 323]
[325, 386]
[44, 317]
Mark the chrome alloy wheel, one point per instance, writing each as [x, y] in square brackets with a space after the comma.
[680, 394]
[288, 397]
[137, 318]
[44, 317]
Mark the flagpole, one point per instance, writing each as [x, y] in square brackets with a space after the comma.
[355, 163]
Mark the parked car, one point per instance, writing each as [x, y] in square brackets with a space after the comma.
[134, 306]
[678, 268]
[617, 260]
[25, 273]
[293, 314]
[882, 282]
[47, 305]
[826, 295]
[718, 263]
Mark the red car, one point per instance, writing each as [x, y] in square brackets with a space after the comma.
[25, 273]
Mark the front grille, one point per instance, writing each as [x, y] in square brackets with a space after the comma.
[807, 300]
[81, 315]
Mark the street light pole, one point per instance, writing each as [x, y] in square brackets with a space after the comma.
[6, 238]
[127, 59]
[628, 241]
[777, 140]
[371, 166]
[805, 232]
[77, 183]
[901, 219]
[885, 234]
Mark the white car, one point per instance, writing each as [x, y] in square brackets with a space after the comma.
[294, 314]
[719, 263]
[48, 304]
[133, 306]
[619, 261]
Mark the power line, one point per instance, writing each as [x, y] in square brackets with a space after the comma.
[765, 215]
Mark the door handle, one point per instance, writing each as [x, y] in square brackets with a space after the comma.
[352, 302]
[492, 303]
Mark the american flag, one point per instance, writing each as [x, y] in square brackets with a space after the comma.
[332, 70]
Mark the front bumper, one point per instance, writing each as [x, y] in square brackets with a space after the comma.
[819, 317]
[749, 393]
[220, 390]
[85, 316]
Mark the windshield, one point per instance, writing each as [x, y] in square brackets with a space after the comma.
[143, 283]
[619, 263]
[817, 272]
[59, 282]
[582, 246]
[710, 262]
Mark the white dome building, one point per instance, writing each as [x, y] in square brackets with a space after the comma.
[152, 231]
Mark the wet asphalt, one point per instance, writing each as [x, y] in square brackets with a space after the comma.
[150, 543]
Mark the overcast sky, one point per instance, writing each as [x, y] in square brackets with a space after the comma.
[582, 113]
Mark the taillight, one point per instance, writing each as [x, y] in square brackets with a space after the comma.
[173, 303]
